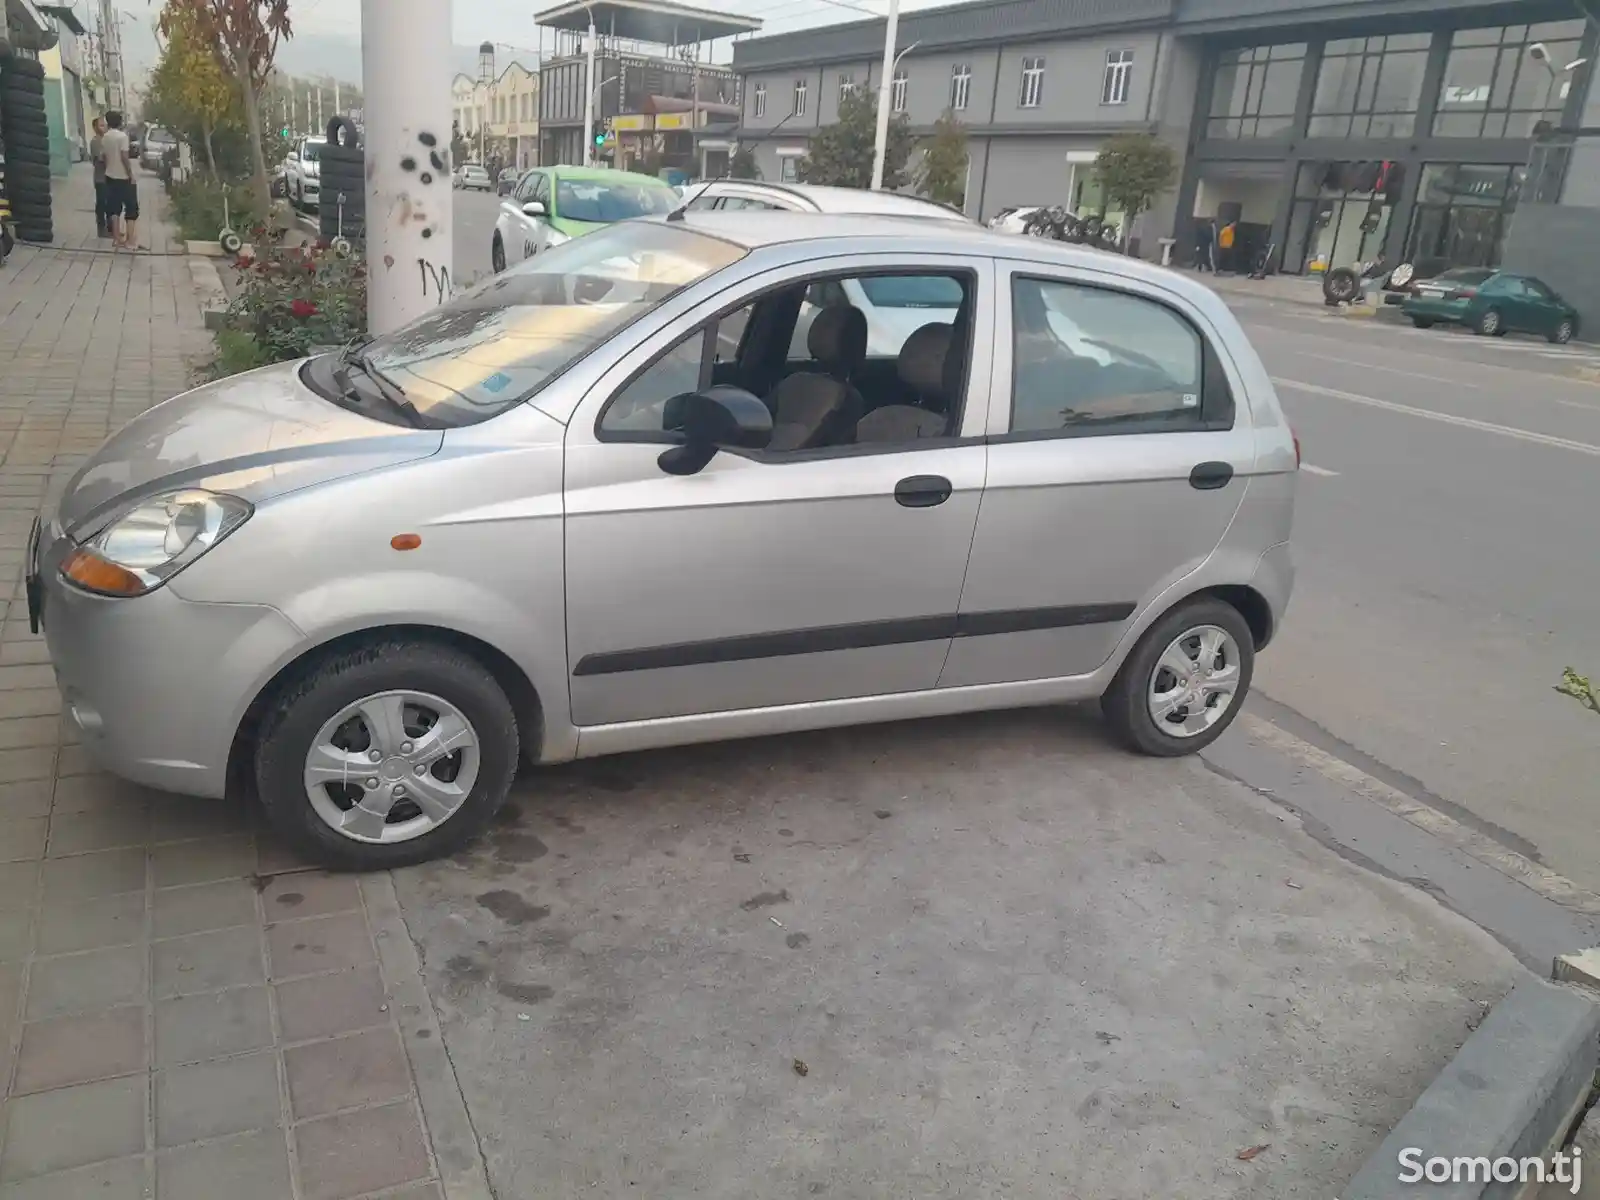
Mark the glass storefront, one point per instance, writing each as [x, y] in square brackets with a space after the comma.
[1341, 213]
[1494, 88]
[1255, 91]
[1369, 87]
[1462, 213]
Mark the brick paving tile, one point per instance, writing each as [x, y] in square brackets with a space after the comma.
[186, 1011]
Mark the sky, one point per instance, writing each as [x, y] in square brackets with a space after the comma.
[328, 32]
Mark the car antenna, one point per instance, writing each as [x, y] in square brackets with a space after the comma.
[677, 213]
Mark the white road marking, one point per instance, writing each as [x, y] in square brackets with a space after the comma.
[1372, 366]
[1521, 435]
[1323, 471]
[1594, 408]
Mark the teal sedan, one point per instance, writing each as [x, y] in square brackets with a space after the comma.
[1491, 303]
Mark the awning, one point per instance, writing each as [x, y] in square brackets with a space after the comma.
[28, 27]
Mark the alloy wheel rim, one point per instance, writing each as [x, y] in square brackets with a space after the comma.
[1491, 321]
[392, 767]
[1564, 331]
[1195, 681]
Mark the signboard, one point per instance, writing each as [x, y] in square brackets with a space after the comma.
[631, 123]
[675, 121]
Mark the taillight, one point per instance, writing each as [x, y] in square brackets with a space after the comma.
[1466, 293]
[1296, 437]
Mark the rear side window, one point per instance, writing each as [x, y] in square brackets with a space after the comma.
[1092, 360]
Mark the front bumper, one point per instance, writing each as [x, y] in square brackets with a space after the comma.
[156, 685]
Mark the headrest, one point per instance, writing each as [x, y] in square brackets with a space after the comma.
[922, 360]
[838, 338]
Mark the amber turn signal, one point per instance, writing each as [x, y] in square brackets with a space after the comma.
[95, 574]
[405, 541]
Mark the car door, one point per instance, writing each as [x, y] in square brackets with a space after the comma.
[1115, 467]
[766, 579]
[1545, 309]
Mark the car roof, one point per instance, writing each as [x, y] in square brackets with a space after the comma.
[605, 175]
[829, 199]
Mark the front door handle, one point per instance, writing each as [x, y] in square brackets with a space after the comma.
[1210, 475]
[922, 491]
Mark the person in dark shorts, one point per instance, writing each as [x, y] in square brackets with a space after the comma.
[122, 194]
[97, 155]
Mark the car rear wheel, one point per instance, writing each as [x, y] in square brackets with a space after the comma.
[387, 755]
[1422, 322]
[1562, 334]
[1184, 682]
[1490, 323]
[497, 255]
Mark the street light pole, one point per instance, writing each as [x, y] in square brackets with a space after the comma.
[880, 145]
[409, 198]
[588, 95]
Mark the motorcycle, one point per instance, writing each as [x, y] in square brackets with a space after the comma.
[1060, 225]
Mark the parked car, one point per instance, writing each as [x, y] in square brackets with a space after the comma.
[726, 194]
[553, 204]
[157, 141]
[1492, 303]
[302, 173]
[471, 177]
[1015, 219]
[507, 183]
[603, 503]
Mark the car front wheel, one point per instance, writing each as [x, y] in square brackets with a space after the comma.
[497, 255]
[1562, 334]
[387, 755]
[1490, 323]
[1184, 682]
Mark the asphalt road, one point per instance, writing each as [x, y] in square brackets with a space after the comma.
[1449, 568]
[1449, 562]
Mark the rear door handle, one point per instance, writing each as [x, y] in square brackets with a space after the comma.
[1210, 475]
[923, 491]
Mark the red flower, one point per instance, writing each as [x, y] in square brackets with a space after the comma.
[323, 244]
[244, 262]
[303, 309]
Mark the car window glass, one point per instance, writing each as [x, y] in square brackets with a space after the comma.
[703, 201]
[749, 203]
[1087, 356]
[541, 189]
[602, 202]
[1536, 289]
[895, 306]
[640, 407]
[524, 189]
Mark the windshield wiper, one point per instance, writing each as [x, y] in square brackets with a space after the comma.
[385, 388]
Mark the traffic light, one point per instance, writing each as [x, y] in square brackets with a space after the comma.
[599, 138]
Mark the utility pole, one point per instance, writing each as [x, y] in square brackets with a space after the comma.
[880, 146]
[588, 95]
[338, 109]
[407, 116]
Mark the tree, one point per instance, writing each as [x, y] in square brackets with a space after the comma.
[942, 174]
[743, 164]
[188, 89]
[243, 37]
[1133, 169]
[841, 154]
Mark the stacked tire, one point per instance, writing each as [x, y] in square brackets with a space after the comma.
[26, 135]
[344, 173]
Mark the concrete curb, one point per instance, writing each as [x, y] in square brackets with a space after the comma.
[208, 291]
[1513, 1090]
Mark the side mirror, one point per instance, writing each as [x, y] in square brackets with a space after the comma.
[534, 208]
[717, 418]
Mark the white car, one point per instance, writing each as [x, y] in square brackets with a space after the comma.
[1014, 220]
[302, 172]
[731, 194]
[473, 178]
[551, 205]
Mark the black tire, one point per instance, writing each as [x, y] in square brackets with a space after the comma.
[31, 214]
[1564, 332]
[36, 233]
[1489, 323]
[497, 255]
[27, 177]
[299, 711]
[28, 139]
[24, 68]
[1341, 286]
[31, 89]
[27, 156]
[1124, 703]
[1422, 322]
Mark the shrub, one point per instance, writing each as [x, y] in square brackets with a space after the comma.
[197, 207]
[291, 301]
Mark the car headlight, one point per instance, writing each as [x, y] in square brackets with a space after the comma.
[148, 544]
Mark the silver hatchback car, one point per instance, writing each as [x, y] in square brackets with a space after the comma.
[623, 496]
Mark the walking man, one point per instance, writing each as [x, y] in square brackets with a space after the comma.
[97, 155]
[122, 194]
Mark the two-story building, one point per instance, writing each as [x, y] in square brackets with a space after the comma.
[500, 118]
[1326, 130]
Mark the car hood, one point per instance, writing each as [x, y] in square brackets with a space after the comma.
[255, 436]
[576, 228]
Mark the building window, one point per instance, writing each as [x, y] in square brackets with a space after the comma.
[847, 84]
[1494, 88]
[789, 169]
[761, 99]
[1462, 213]
[799, 107]
[1369, 87]
[898, 89]
[1119, 73]
[1032, 83]
[960, 86]
[1255, 91]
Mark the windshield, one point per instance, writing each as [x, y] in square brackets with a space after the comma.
[497, 345]
[600, 202]
[311, 151]
[1465, 275]
[912, 291]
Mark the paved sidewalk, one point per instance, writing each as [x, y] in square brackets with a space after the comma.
[186, 1012]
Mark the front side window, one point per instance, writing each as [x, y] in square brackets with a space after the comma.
[1495, 86]
[1032, 83]
[897, 91]
[960, 86]
[599, 202]
[1090, 360]
[1118, 75]
[761, 99]
[498, 344]
[799, 107]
